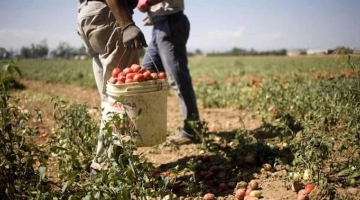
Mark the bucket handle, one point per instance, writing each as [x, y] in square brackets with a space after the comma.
[152, 60]
[157, 69]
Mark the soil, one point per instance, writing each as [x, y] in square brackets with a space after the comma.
[220, 121]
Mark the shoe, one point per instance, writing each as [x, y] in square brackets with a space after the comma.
[181, 139]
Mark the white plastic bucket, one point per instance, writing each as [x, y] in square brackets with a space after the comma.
[145, 105]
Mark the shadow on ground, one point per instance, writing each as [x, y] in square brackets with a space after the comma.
[231, 157]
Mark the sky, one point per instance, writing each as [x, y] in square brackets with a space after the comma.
[215, 25]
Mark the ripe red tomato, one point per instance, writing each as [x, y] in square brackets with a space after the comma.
[209, 196]
[112, 80]
[309, 188]
[115, 72]
[139, 78]
[130, 75]
[142, 69]
[147, 75]
[128, 81]
[135, 67]
[121, 79]
[127, 70]
[120, 74]
[162, 75]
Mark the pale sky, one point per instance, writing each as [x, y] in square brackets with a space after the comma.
[215, 25]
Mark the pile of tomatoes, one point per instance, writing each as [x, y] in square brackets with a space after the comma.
[134, 73]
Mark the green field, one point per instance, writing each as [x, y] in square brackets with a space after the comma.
[218, 68]
[225, 73]
[310, 105]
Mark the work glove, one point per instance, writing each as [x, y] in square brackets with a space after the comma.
[133, 38]
[147, 21]
[143, 5]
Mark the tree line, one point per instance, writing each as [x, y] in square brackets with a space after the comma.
[42, 51]
[65, 51]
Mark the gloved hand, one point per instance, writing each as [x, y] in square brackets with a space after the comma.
[133, 38]
[144, 5]
[147, 21]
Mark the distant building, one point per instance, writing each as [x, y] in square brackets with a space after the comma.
[295, 52]
[356, 51]
[80, 57]
[317, 51]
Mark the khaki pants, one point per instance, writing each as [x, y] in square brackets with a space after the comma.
[102, 38]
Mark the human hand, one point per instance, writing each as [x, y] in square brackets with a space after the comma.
[147, 21]
[143, 5]
[133, 38]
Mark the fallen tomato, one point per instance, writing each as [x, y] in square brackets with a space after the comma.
[309, 188]
[240, 194]
[209, 196]
[223, 186]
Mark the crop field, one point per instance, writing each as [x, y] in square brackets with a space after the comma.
[307, 144]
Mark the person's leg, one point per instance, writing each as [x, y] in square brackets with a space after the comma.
[152, 60]
[171, 37]
[102, 38]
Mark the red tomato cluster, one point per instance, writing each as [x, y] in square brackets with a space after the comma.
[135, 73]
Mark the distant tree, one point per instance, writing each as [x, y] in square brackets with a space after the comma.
[25, 52]
[343, 50]
[4, 54]
[82, 50]
[64, 50]
[35, 50]
[41, 50]
[198, 52]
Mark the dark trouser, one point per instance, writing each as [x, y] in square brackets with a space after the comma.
[167, 50]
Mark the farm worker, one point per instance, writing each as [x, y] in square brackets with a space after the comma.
[167, 50]
[112, 40]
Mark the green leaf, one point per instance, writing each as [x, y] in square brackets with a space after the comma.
[345, 172]
[355, 174]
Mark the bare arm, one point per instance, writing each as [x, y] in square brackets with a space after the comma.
[132, 36]
[121, 12]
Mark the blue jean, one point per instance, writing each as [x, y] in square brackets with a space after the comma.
[167, 50]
